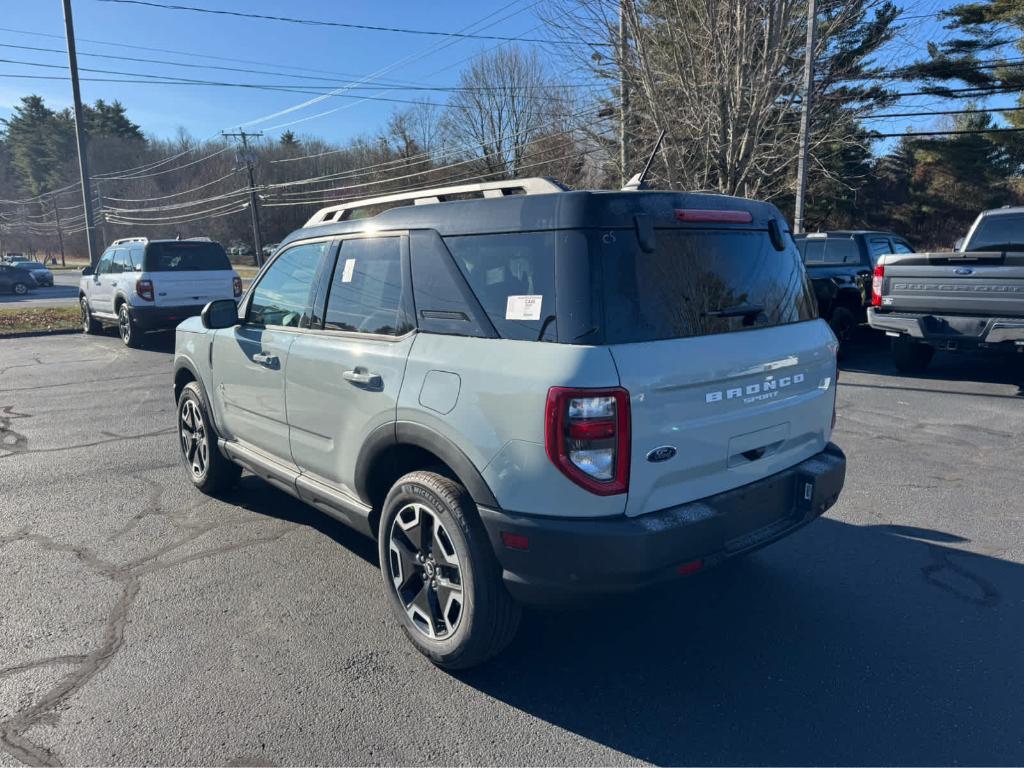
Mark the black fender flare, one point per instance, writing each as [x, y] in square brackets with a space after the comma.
[412, 433]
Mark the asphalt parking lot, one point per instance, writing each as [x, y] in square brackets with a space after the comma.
[142, 622]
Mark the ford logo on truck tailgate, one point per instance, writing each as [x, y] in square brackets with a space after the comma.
[662, 453]
[964, 271]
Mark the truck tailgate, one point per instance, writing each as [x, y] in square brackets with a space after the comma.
[989, 284]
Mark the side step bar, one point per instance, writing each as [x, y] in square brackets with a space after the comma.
[324, 497]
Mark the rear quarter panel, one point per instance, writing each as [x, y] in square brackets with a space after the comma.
[493, 410]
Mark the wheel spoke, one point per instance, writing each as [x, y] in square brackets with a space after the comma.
[420, 607]
[404, 565]
[449, 601]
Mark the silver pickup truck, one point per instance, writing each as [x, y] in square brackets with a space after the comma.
[971, 298]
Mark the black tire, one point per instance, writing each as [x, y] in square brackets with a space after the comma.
[486, 618]
[20, 289]
[126, 327]
[843, 324]
[911, 356]
[89, 323]
[207, 467]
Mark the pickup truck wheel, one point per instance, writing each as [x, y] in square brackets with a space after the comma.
[208, 469]
[441, 577]
[126, 328]
[911, 356]
[89, 325]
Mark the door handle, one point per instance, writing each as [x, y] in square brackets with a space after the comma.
[362, 376]
[267, 361]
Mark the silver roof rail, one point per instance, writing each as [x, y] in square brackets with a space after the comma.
[124, 240]
[532, 186]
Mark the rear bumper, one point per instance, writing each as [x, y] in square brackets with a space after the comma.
[569, 559]
[163, 318]
[950, 331]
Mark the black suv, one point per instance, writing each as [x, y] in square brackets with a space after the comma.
[839, 264]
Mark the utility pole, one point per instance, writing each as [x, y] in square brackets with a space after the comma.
[101, 215]
[624, 159]
[60, 235]
[805, 119]
[80, 135]
[253, 207]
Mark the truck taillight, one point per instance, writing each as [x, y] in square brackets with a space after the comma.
[144, 289]
[236, 286]
[586, 433]
[877, 279]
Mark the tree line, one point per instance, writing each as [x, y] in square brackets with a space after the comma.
[720, 79]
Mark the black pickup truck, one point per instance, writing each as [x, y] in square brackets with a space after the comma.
[840, 264]
[971, 298]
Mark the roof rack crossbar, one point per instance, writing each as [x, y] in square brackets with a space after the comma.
[487, 189]
[124, 240]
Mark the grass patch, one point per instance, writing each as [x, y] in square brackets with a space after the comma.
[26, 320]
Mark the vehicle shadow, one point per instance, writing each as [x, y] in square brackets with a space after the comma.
[840, 645]
[982, 367]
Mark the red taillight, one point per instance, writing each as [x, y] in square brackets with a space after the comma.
[236, 286]
[691, 567]
[586, 433]
[728, 217]
[877, 280]
[144, 288]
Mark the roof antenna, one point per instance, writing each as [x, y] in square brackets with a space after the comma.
[637, 182]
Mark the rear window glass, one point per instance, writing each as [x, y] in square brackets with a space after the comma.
[829, 250]
[513, 277]
[186, 256]
[698, 283]
[999, 232]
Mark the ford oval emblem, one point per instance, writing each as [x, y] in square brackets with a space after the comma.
[662, 453]
[964, 271]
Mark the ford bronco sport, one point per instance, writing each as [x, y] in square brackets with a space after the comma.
[526, 394]
[143, 285]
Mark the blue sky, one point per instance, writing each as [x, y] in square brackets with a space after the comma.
[337, 54]
[161, 109]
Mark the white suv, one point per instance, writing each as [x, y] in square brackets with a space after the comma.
[151, 285]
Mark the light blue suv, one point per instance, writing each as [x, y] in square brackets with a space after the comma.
[525, 394]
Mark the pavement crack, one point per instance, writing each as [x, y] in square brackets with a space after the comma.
[116, 438]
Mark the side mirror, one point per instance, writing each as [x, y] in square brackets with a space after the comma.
[88, 272]
[959, 244]
[222, 313]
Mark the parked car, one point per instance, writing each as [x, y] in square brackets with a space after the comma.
[39, 271]
[839, 264]
[12, 256]
[268, 250]
[16, 280]
[527, 397]
[145, 285]
[970, 298]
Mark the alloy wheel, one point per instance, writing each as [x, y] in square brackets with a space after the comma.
[86, 324]
[425, 571]
[124, 325]
[195, 444]
[20, 289]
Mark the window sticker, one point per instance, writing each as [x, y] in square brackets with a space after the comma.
[350, 267]
[523, 307]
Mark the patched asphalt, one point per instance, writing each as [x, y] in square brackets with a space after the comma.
[144, 623]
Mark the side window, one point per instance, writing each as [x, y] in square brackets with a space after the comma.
[134, 259]
[367, 290]
[283, 294]
[901, 246]
[878, 246]
[813, 250]
[104, 266]
[841, 250]
[118, 265]
[513, 277]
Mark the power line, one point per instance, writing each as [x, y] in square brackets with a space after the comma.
[345, 25]
[966, 131]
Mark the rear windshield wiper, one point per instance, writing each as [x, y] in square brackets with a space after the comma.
[740, 310]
